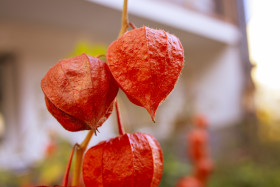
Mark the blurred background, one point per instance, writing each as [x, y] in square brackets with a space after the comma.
[231, 77]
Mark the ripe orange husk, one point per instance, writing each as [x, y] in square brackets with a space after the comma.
[146, 63]
[203, 169]
[198, 144]
[189, 182]
[79, 92]
[132, 160]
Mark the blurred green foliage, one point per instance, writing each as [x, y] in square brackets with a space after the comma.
[173, 170]
[245, 160]
[48, 171]
[90, 49]
[245, 174]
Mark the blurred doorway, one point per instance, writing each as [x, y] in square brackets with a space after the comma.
[8, 101]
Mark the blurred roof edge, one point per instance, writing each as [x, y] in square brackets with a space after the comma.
[190, 21]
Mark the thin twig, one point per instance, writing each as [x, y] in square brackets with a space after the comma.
[125, 25]
[79, 158]
[121, 130]
[99, 56]
[132, 25]
[68, 167]
[81, 149]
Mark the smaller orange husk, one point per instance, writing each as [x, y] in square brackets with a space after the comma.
[128, 160]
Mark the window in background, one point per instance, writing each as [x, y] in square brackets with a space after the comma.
[8, 102]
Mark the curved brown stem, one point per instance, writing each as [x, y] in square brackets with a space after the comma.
[81, 148]
[79, 158]
[125, 25]
[99, 56]
[68, 167]
[132, 25]
[121, 130]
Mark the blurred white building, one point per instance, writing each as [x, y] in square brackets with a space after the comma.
[36, 34]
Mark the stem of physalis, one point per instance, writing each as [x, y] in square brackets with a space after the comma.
[66, 175]
[81, 149]
[125, 25]
[132, 25]
[79, 158]
[121, 130]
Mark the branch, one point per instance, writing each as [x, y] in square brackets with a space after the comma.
[121, 130]
[125, 24]
[79, 158]
[66, 175]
